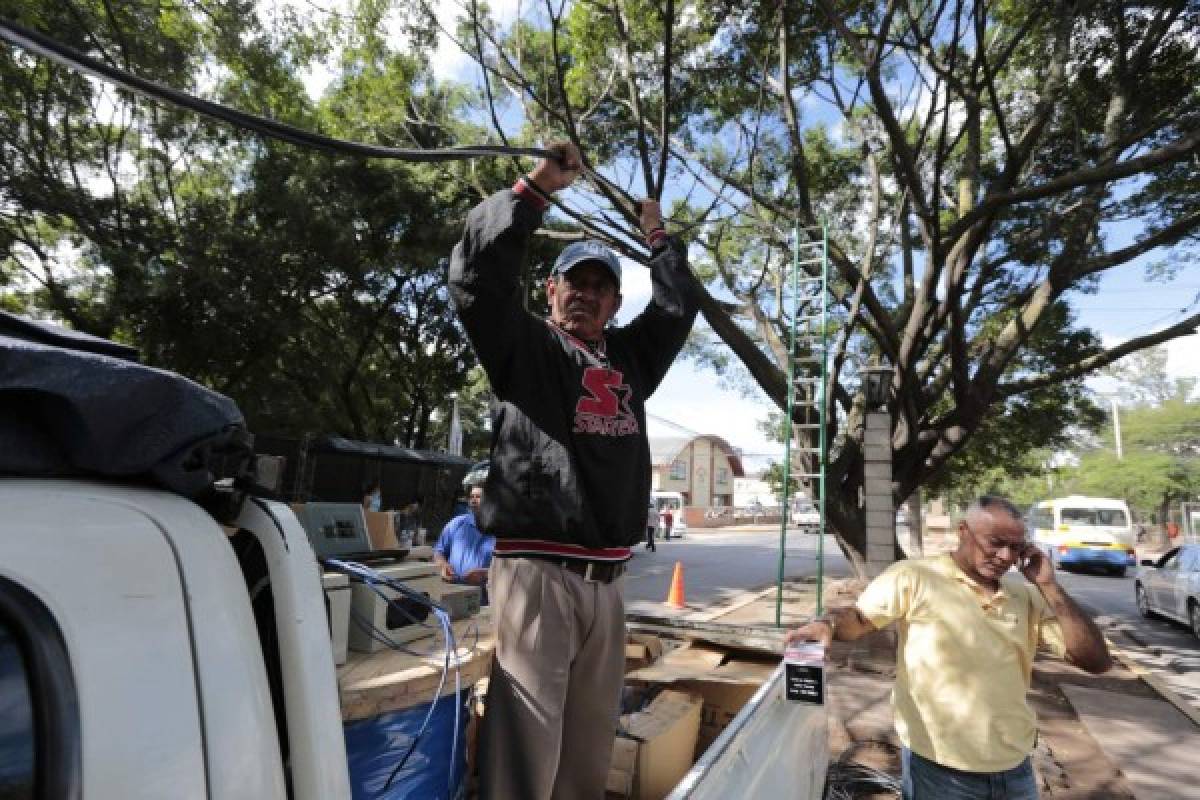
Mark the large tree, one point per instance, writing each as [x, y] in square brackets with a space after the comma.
[307, 286]
[975, 163]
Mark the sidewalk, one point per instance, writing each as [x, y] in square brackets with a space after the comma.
[1110, 736]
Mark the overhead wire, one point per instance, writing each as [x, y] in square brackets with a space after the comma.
[38, 43]
[42, 45]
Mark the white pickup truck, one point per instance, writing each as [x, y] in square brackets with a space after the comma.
[143, 609]
[146, 651]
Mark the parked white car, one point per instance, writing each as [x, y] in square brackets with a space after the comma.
[1170, 587]
[806, 516]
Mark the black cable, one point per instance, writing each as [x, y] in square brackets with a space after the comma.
[42, 45]
[847, 780]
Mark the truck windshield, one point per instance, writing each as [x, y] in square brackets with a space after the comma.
[1113, 517]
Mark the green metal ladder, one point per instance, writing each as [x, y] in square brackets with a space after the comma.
[806, 309]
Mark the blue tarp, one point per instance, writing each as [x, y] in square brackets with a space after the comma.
[375, 746]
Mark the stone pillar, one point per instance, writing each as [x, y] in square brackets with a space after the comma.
[877, 487]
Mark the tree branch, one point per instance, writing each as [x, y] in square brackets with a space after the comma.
[1185, 327]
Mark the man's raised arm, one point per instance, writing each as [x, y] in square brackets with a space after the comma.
[1085, 644]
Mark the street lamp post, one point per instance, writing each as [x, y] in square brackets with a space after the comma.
[1114, 409]
[878, 386]
[1116, 426]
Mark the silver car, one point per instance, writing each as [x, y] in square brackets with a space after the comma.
[1170, 587]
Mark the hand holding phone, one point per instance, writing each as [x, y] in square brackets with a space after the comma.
[1034, 564]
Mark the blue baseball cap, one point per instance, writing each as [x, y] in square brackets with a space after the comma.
[577, 253]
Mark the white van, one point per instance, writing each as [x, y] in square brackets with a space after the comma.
[673, 501]
[1085, 531]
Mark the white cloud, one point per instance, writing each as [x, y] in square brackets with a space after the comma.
[449, 62]
[694, 399]
[1183, 361]
[1183, 358]
[316, 80]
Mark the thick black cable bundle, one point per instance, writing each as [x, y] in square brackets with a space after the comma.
[42, 45]
[847, 780]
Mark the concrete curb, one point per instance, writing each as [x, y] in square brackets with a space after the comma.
[1154, 682]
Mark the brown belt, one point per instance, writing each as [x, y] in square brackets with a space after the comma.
[590, 571]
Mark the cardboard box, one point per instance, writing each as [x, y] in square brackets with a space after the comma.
[622, 768]
[641, 650]
[665, 735]
[381, 530]
[724, 679]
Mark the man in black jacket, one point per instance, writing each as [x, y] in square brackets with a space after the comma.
[570, 473]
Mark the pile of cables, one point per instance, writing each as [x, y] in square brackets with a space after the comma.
[849, 780]
[415, 606]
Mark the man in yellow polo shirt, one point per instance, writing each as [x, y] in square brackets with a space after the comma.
[967, 633]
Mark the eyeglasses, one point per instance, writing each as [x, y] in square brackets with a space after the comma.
[994, 544]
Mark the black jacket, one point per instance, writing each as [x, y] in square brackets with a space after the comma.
[570, 461]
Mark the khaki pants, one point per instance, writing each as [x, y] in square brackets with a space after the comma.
[555, 686]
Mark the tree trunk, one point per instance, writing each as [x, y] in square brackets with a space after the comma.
[916, 524]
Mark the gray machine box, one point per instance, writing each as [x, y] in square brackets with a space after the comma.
[459, 599]
[372, 618]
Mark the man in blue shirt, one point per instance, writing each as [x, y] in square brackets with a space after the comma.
[463, 552]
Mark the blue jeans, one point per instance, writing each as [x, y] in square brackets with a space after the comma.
[927, 780]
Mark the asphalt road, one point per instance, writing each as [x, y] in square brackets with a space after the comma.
[1167, 649]
[721, 565]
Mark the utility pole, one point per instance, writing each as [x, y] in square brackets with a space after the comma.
[1116, 419]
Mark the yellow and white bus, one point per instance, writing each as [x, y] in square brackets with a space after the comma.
[1079, 531]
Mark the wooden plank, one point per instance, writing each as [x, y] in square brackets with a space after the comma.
[768, 640]
[370, 684]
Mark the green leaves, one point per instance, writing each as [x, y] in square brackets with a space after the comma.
[307, 286]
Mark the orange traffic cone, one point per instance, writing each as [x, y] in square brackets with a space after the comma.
[675, 596]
